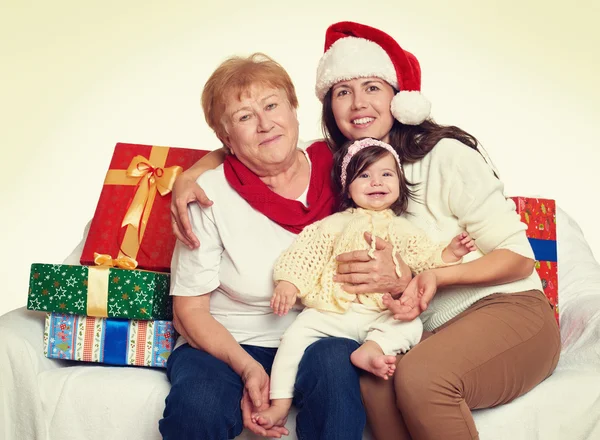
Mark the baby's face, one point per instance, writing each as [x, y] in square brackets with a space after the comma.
[378, 186]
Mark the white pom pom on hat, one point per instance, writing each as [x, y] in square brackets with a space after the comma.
[354, 50]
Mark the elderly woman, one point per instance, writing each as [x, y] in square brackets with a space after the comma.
[267, 190]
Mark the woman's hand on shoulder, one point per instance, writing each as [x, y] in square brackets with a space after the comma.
[416, 297]
[186, 191]
[362, 274]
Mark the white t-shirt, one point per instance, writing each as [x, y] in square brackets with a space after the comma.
[238, 249]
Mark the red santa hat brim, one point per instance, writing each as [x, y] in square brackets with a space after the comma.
[353, 50]
[350, 58]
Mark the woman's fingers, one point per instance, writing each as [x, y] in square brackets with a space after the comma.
[201, 197]
[426, 296]
[353, 257]
[400, 311]
[277, 431]
[380, 244]
[362, 256]
[408, 315]
[355, 277]
[254, 393]
[186, 191]
[247, 410]
[182, 217]
[359, 273]
[179, 235]
[404, 311]
[355, 268]
[357, 289]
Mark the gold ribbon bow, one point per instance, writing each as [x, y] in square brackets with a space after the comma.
[121, 262]
[150, 176]
[97, 296]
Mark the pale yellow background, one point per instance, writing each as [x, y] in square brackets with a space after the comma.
[79, 76]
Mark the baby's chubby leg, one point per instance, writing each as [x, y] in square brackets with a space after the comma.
[370, 357]
[275, 415]
[310, 326]
[385, 337]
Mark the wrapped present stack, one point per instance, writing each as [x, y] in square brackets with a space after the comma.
[116, 308]
[540, 217]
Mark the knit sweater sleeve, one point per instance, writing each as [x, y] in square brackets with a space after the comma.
[476, 198]
[304, 261]
[417, 250]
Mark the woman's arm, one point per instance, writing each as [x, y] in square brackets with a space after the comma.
[476, 197]
[197, 270]
[463, 184]
[498, 267]
[186, 190]
[192, 320]
[209, 161]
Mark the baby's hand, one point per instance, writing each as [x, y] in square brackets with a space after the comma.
[396, 306]
[284, 297]
[461, 245]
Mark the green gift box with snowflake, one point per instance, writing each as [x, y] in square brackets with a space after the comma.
[100, 291]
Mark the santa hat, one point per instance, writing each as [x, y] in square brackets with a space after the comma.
[353, 50]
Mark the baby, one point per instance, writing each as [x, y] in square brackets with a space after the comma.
[374, 194]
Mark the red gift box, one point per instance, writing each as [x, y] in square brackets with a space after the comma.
[132, 217]
[548, 272]
[540, 217]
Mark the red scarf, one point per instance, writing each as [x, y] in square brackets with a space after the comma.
[289, 214]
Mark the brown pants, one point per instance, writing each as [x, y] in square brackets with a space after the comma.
[495, 351]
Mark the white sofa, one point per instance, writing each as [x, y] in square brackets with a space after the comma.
[46, 399]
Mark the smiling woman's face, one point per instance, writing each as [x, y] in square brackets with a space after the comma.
[361, 108]
[261, 129]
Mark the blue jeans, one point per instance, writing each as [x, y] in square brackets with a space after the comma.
[327, 392]
[204, 401]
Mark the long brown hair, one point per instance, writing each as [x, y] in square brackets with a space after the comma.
[411, 142]
[360, 162]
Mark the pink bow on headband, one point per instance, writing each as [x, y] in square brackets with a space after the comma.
[361, 145]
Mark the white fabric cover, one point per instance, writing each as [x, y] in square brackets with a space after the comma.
[46, 399]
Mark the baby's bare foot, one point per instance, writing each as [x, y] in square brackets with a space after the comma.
[380, 365]
[272, 416]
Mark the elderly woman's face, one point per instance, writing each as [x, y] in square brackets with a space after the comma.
[262, 129]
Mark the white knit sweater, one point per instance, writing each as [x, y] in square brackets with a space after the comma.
[310, 262]
[456, 190]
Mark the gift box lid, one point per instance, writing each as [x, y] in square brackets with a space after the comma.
[99, 291]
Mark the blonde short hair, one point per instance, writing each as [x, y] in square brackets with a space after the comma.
[234, 77]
